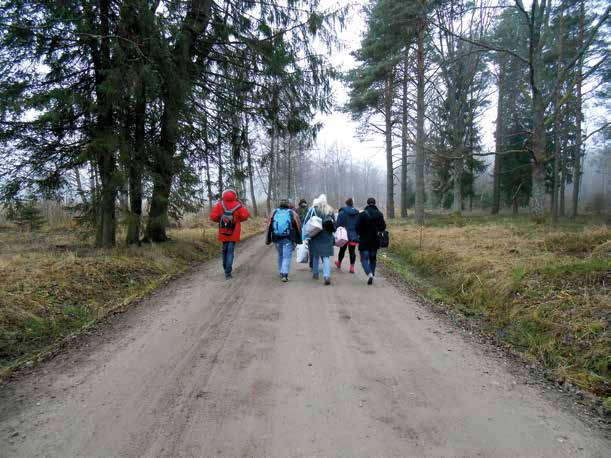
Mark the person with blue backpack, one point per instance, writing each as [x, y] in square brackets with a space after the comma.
[284, 230]
[347, 218]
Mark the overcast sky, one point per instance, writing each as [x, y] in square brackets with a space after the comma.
[338, 126]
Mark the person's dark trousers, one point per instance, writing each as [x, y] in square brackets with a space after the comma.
[342, 251]
[369, 261]
[228, 249]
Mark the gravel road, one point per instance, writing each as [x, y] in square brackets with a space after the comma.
[257, 368]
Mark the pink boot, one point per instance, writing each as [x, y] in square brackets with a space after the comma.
[351, 268]
[338, 264]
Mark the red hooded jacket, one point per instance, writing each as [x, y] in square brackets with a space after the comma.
[241, 214]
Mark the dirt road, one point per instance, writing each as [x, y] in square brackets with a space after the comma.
[257, 368]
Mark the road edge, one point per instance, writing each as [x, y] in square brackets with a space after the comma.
[584, 405]
[37, 357]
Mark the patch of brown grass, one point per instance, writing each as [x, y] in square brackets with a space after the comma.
[542, 289]
[53, 283]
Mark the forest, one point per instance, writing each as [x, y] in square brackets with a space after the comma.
[137, 112]
[429, 70]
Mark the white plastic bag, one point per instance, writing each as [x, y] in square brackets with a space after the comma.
[341, 236]
[302, 253]
[313, 227]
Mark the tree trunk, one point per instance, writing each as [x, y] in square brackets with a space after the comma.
[135, 204]
[251, 175]
[236, 156]
[219, 154]
[79, 186]
[419, 205]
[458, 195]
[135, 168]
[390, 191]
[496, 185]
[557, 118]
[458, 148]
[563, 181]
[107, 234]
[175, 87]
[404, 138]
[207, 162]
[537, 204]
[252, 184]
[514, 205]
[538, 138]
[537, 200]
[208, 180]
[158, 213]
[562, 207]
[270, 175]
[104, 143]
[163, 172]
[95, 199]
[288, 172]
[578, 139]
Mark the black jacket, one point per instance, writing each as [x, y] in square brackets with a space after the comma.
[370, 222]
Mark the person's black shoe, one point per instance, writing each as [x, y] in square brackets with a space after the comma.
[285, 278]
[370, 279]
[228, 276]
[327, 281]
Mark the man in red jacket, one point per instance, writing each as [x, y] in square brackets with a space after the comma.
[229, 213]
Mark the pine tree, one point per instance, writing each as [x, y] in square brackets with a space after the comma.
[390, 30]
[25, 213]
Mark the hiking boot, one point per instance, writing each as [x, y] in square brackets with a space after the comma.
[351, 268]
[370, 279]
[228, 276]
[315, 276]
[327, 281]
[285, 278]
[338, 264]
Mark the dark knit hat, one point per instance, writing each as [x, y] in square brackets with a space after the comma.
[371, 201]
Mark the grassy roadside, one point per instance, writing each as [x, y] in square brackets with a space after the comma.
[53, 284]
[541, 289]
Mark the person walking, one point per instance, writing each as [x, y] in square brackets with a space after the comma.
[321, 245]
[284, 230]
[347, 218]
[229, 213]
[302, 209]
[368, 225]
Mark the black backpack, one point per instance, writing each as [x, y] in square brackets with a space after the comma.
[328, 224]
[227, 221]
[384, 239]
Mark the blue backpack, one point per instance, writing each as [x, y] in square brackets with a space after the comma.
[281, 223]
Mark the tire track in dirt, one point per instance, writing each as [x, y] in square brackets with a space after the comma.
[253, 367]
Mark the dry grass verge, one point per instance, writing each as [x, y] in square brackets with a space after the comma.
[53, 284]
[542, 289]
